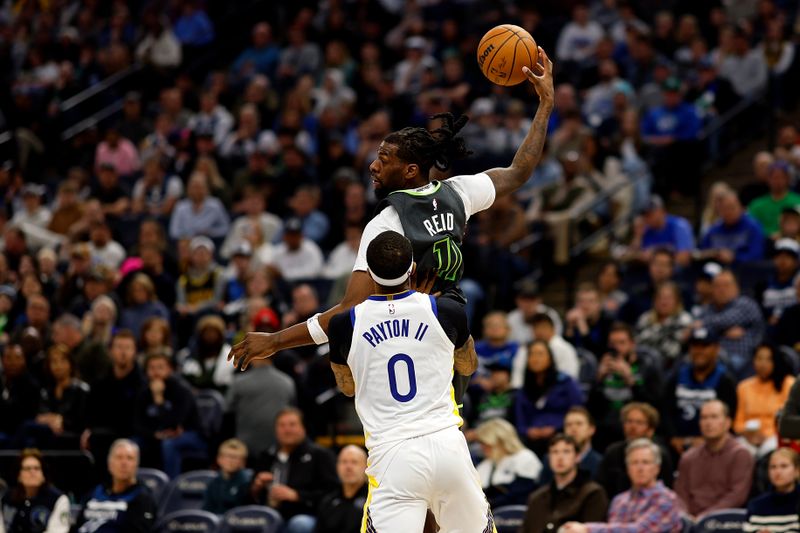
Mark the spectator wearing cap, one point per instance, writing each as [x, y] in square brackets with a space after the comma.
[201, 287]
[297, 257]
[735, 319]
[141, 302]
[703, 288]
[744, 67]
[718, 472]
[198, 213]
[155, 194]
[262, 385]
[702, 378]
[118, 152]
[587, 323]
[204, 363]
[105, 251]
[67, 209]
[659, 229]
[779, 292]
[211, 118]
[91, 358]
[786, 331]
[166, 420]
[736, 238]
[260, 58]
[767, 209]
[528, 301]
[789, 225]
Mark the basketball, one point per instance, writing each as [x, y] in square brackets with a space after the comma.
[502, 53]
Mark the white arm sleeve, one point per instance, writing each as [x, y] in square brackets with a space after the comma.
[476, 191]
[59, 517]
[386, 220]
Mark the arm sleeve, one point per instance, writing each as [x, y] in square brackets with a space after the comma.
[595, 507]
[453, 320]
[340, 336]
[476, 191]
[386, 220]
[59, 516]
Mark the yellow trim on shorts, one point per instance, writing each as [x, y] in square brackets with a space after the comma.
[455, 403]
[373, 483]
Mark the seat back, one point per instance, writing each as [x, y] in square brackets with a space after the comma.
[722, 521]
[251, 519]
[154, 479]
[687, 524]
[508, 519]
[188, 521]
[211, 408]
[185, 491]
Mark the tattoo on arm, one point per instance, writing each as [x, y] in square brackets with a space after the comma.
[465, 359]
[509, 179]
[344, 379]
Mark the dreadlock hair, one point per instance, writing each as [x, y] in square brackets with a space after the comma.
[437, 148]
[389, 255]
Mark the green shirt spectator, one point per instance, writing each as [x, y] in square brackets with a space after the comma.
[767, 209]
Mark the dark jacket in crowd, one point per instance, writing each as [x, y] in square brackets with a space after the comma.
[112, 403]
[684, 396]
[223, 494]
[310, 470]
[20, 399]
[774, 512]
[131, 511]
[789, 422]
[338, 514]
[178, 410]
[92, 361]
[50, 507]
[72, 405]
[549, 507]
[613, 473]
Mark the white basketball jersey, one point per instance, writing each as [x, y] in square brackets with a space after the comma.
[402, 364]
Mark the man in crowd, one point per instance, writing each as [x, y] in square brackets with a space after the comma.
[125, 504]
[579, 426]
[91, 358]
[20, 393]
[569, 496]
[660, 229]
[736, 237]
[703, 378]
[779, 293]
[767, 209]
[639, 421]
[647, 506]
[587, 324]
[341, 511]
[294, 474]
[528, 302]
[717, 473]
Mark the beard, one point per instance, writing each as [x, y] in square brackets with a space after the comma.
[381, 193]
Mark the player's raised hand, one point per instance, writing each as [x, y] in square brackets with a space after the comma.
[542, 77]
[254, 346]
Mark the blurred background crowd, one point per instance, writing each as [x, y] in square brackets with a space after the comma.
[176, 173]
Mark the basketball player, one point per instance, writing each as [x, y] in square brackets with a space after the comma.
[432, 214]
[395, 352]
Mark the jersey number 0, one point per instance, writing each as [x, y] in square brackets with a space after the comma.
[412, 378]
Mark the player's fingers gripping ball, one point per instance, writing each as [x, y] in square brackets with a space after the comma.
[502, 53]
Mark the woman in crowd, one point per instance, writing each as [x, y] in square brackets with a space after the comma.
[760, 397]
[34, 505]
[776, 511]
[154, 337]
[609, 280]
[510, 471]
[665, 326]
[141, 303]
[544, 399]
[204, 363]
[98, 323]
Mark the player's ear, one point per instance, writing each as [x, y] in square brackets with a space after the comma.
[412, 171]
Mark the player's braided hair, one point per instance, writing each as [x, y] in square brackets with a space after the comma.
[389, 254]
[427, 149]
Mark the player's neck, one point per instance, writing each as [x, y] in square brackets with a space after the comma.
[389, 291]
[349, 490]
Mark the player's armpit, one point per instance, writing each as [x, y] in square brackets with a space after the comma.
[465, 359]
[344, 379]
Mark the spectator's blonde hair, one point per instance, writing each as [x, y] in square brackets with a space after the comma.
[501, 436]
[236, 446]
[790, 454]
[643, 443]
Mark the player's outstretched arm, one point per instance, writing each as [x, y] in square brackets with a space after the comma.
[262, 345]
[465, 359]
[509, 179]
[344, 379]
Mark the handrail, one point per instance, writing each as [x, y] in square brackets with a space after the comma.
[91, 120]
[722, 120]
[99, 87]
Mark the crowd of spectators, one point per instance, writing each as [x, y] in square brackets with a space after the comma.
[230, 197]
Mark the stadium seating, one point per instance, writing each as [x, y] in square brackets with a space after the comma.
[186, 491]
[154, 479]
[724, 520]
[251, 519]
[188, 520]
[508, 519]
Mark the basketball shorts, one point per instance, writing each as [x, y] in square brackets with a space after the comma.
[433, 472]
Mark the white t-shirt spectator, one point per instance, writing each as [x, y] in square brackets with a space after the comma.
[747, 73]
[303, 263]
[162, 50]
[270, 225]
[111, 255]
[578, 43]
[154, 197]
[564, 356]
[340, 262]
[524, 463]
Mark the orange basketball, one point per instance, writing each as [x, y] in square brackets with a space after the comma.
[503, 51]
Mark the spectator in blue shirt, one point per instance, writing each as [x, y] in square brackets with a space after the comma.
[674, 121]
[194, 28]
[662, 230]
[198, 213]
[736, 237]
[260, 58]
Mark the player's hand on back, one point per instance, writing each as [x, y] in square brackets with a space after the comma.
[542, 77]
[254, 346]
[423, 281]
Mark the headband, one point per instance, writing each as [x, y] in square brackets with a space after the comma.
[392, 282]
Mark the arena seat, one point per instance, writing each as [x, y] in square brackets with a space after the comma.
[722, 521]
[687, 524]
[508, 519]
[185, 491]
[251, 519]
[154, 479]
[188, 520]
